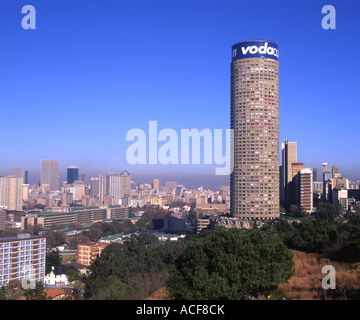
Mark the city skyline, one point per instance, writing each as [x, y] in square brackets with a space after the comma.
[178, 151]
[185, 76]
[206, 180]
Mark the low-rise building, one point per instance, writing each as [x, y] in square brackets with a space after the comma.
[58, 275]
[118, 213]
[211, 208]
[202, 224]
[87, 253]
[55, 294]
[112, 238]
[62, 219]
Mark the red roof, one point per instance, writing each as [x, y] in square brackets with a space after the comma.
[53, 293]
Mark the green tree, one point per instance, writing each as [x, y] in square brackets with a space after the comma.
[55, 238]
[75, 241]
[277, 226]
[147, 238]
[129, 262]
[326, 211]
[38, 293]
[53, 258]
[229, 264]
[170, 251]
[312, 235]
[74, 275]
[95, 232]
[113, 289]
[349, 241]
[13, 290]
[3, 295]
[141, 224]
[354, 218]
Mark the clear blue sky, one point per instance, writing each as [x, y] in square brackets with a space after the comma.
[93, 70]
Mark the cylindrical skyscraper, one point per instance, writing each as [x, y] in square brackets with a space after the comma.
[255, 182]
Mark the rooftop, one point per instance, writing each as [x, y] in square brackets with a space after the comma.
[112, 237]
[21, 236]
[63, 269]
[52, 293]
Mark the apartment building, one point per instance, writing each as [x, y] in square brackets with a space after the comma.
[22, 257]
[255, 178]
[87, 253]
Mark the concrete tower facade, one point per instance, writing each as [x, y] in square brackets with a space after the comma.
[50, 174]
[20, 173]
[255, 192]
[125, 184]
[11, 192]
[289, 156]
[110, 186]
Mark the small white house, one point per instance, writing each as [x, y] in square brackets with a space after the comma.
[58, 275]
[56, 279]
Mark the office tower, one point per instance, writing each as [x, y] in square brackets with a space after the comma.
[125, 184]
[25, 192]
[26, 177]
[255, 179]
[82, 177]
[282, 185]
[156, 184]
[178, 189]
[289, 156]
[306, 189]
[327, 190]
[77, 190]
[94, 188]
[110, 187]
[327, 176]
[50, 174]
[170, 186]
[67, 198]
[325, 167]
[2, 219]
[11, 192]
[342, 182]
[72, 174]
[336, 172]
[20, 173]
[340, 197]
[22, 257]
[294, 185]
[318, 187]
[295, 168]
[327, 184]
[315, 174]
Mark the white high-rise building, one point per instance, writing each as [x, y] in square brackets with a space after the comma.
[110, 185]
[50, 174]
[11, 191]
[125, 184]
[20, 173]
[94, 188]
